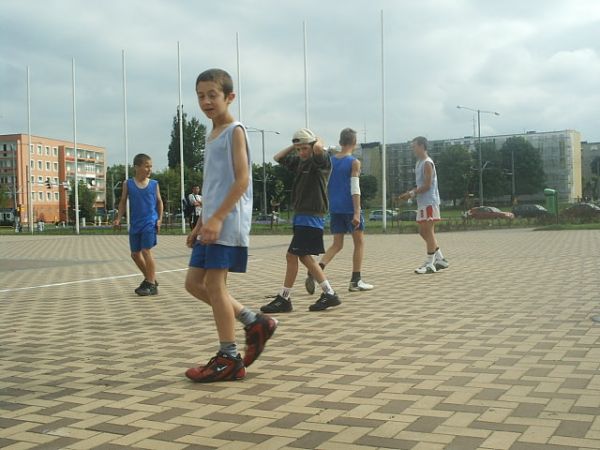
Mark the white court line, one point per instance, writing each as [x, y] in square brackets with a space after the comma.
[89, 280]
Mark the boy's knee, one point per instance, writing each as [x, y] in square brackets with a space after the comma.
[290, 257]
[135, 255]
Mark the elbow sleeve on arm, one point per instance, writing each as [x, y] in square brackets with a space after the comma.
[354, 186]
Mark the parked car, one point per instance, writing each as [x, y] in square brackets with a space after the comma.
[582, 211]
[530, 211]
[487, 212]
[410, 215]
[377, 215]
[265, 219]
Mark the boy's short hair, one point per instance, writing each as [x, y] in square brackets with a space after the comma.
[219, 76]
[347, 137]
[140, 159]
[420, 140]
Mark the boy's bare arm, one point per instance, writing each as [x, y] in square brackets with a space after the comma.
[319, 147]
[283, 153]
[211, 229]
[428, 177]
[356, 197]
[159, 208]
[122, 204]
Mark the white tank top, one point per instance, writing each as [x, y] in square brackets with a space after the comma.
[432, 196]
[219, 176]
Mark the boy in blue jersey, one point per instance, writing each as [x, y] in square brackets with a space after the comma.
[145, 209]
[428, 206]
[220, 239]
[344, 208]
[307, 159]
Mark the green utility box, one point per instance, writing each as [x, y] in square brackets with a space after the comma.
[552, 201]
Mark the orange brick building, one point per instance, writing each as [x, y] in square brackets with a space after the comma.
[50, 164]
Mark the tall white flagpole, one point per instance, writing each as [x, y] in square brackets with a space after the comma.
[239, 75]
[125, 131]
[306, 121]
[180, 111]
[75, 148]
[383, 148]
[28, 172]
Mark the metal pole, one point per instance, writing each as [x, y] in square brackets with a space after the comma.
[180, 110]
[306, 121]
[75, 149]
[262, 132]
[239, 75]
[480, 158]
[383, 149]
[512, 163]
[28, 172]
[112, 182]
[125, 135]
[14, 183]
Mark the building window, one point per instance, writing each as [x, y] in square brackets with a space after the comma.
[55, 151]
[47, 151]
[39, 149]
[31, 149]
[55, 181]
[32, 179]
[56, 167]
[49, 196]
[40, 165]
[41, 196]
[56, 196]
[40, 180]
[48, 165]
[31, 163]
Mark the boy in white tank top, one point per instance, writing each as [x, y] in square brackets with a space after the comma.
[428, 206]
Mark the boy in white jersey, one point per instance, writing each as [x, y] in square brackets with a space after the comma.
[428, 206]
[220, 238]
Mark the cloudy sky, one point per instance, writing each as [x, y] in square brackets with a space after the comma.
[537, 62]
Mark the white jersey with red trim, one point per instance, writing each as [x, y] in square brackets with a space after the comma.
[432, 196]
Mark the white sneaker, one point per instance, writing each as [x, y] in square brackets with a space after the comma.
[441, 263]
[427, 267]
[359, 285]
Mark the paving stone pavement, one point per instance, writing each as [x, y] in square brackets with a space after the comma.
[497, 352]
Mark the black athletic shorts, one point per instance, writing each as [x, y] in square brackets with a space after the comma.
[307, 241]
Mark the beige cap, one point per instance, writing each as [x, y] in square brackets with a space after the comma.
[304, 136]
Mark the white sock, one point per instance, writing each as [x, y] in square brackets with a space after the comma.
[430, 258]
[327, 287]
[285, 292]
[439, 254]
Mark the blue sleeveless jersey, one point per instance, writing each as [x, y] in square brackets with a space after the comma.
[142, 206]
[340, 197]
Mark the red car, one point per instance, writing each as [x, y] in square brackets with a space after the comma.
[487, 212]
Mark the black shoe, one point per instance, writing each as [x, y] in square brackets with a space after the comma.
[147, 288]
[279, 305]
[325, 301]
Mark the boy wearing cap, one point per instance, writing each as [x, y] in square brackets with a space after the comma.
[307, 159]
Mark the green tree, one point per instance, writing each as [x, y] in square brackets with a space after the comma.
[454, 169]
[5, 195]
[86, 199]
[368, 187]
[169, 181]
[529, 170]
[194, 138]
[115, 176]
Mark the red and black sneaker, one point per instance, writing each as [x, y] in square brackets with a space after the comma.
[257, 335]
[221, 367]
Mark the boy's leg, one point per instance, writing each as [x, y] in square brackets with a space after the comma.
[150, 265]
[139, 261]
[334, 249]
[223, 309]
[282, 302]
[195, 284]
[329, 297]
[356, 282]
[426, 230]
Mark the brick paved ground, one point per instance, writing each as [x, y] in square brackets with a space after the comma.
[498, 352]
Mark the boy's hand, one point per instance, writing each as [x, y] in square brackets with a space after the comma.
[405, 196]
[319, 146]
[211, 230]
[356, 221]
[192, 238]
[158, 225]
[117, 223]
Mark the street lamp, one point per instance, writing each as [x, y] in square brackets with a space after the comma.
[264, 167]
[479, 111]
